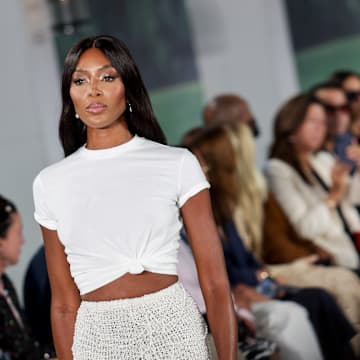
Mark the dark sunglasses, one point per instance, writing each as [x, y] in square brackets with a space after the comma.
[331, 109]
[352, 95]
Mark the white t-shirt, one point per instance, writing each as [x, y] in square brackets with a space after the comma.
[116, 210]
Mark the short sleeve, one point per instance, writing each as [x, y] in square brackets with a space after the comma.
[191, 178]
[42, 213]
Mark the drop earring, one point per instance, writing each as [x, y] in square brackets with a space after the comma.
[77, 116]
[130, 108]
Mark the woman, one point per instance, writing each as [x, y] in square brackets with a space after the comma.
[311, 186]
[16, 342]
[109, 214]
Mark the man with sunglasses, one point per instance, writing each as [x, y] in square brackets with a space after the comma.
[340, 140]
[336, 105]
[350, 83]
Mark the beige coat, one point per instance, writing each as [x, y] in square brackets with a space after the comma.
[307, 211]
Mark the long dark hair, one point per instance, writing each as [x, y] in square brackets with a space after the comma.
[141, 121]
[7, 208]
[288, 120]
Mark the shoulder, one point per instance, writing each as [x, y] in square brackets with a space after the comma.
[276, 167]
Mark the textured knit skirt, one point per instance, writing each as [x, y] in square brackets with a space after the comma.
[162, 325]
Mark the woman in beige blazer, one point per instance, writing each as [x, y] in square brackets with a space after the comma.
[312, 186]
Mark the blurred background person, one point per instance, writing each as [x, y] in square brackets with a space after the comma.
[311, 186]
[16, 341]
[350, 83]
[333, 98]
[37, 300]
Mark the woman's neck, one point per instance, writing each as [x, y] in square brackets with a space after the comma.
[108, 137]
[305, 163]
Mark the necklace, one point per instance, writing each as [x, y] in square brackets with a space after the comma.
[5, 294]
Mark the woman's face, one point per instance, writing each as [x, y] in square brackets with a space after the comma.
[311, 134]
[97, 91]
[10, 246]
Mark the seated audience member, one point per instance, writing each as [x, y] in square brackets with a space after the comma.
[15, 340]
[250, 347]
[333, 99]
[248, 277]
[340, 139]
[311, 185]
[350, 83]
[37, 299]
[230, 108]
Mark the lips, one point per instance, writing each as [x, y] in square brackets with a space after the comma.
[96, 108]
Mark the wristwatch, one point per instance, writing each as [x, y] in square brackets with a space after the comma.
[263, 274]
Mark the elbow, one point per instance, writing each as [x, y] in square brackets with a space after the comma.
[64, 309]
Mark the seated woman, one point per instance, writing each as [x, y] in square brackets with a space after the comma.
[215, 150]
[310, 186]
[16, 342]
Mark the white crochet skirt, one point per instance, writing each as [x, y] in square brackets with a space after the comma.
[162, 325]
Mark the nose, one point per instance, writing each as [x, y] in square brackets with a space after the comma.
[95, 89]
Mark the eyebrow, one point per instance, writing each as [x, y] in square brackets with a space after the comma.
[99, 69]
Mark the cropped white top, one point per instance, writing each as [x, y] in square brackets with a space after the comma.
[116, 210]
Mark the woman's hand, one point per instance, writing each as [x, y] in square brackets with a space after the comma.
[339, 176]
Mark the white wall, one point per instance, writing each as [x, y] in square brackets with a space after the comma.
[28, 103]
[242, 46]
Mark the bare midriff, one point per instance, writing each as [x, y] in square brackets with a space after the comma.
[131, 286]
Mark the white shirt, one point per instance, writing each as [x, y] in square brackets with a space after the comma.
[116, 210]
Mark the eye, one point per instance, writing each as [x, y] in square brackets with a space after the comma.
[79, 81]
[109, 78]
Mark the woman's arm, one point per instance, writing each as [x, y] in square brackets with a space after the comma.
[207, 250]
[65, 298]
